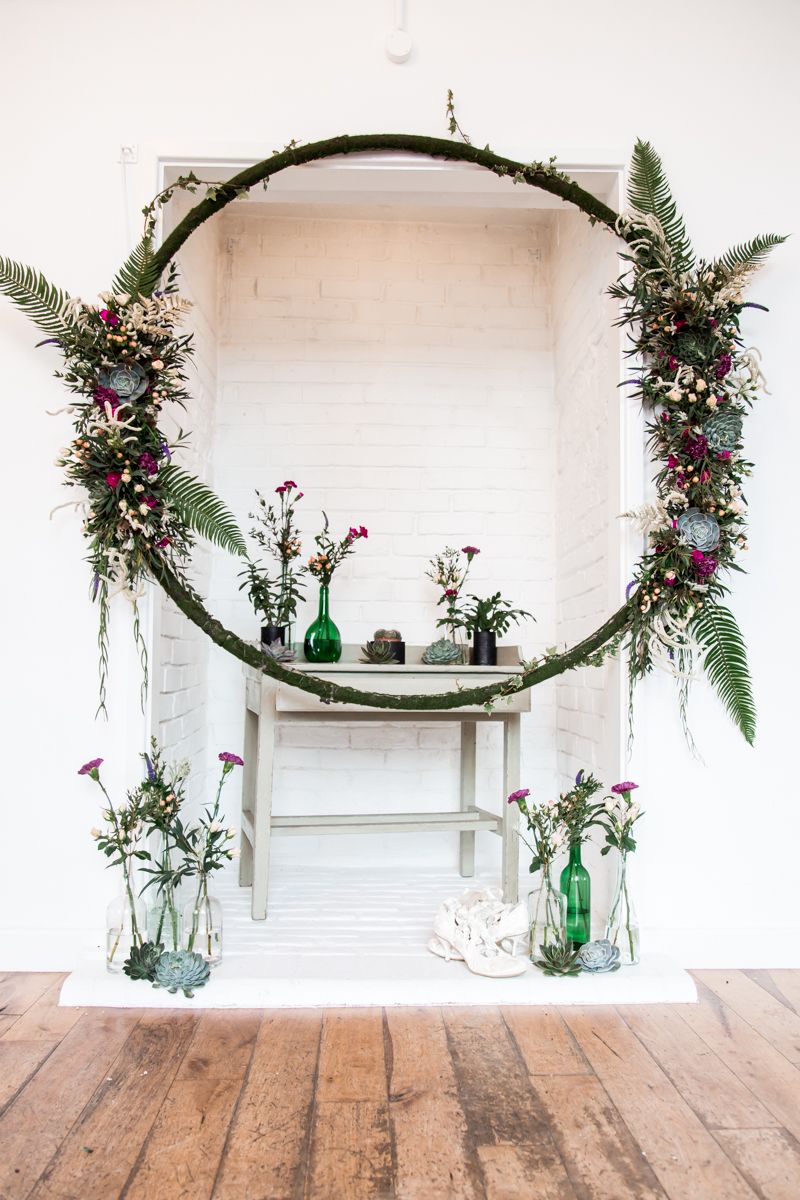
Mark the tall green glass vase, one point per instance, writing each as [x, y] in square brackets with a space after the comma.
[577, 887]
[323, 642]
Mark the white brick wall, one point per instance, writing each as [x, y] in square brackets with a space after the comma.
[401, 371]
[587, 399]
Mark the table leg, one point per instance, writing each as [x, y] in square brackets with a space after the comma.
[251, 721]
[262, 814]
[511, 778]
[466, 863]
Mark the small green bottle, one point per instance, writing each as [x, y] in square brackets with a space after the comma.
[323, 642]
[577, 887]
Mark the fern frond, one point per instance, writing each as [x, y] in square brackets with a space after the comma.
[749, 255]
[38, 299]
[137, 275]
[725, 663]
[648, 192]
[201, 510]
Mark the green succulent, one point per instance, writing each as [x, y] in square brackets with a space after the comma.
[379, 652]
[388, 635]
[279, 652]
[142, 961]
[559, 959]
[181, 970]
[441, 653]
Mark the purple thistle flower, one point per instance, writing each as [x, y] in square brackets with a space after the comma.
[90, 768]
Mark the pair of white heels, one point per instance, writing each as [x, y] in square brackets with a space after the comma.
[478, 929]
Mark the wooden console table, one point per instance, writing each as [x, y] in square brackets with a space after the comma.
[268, 703]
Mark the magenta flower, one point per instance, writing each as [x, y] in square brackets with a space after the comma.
[704, 564]
[90, 768]
[619, 789]
[108, 317]
[150, 501]
[724, 455]
[113, 479]
[673, 462]
[724, 364]
[362, 531]
[162, 542]
[148, 463]
[280, 489]
[470, 551]
[289, 483]
[672, 363]
[697, 446]
[712, 322]
[299, 495]
[521, 794]
[229, 759]
[104, 396]
[665, 418]
[450, 593]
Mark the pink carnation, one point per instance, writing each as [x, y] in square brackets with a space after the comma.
[113, 479]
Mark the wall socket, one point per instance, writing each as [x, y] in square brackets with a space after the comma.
[128, 153]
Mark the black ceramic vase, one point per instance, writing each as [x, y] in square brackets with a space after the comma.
[484, 648]
[273, 633]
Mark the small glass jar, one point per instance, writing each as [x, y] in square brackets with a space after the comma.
[126, 921]
[547, 911]
[202, 926]
[622, 927]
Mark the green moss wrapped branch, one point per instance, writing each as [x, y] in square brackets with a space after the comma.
[125, 362]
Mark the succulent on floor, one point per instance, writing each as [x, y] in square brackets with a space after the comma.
[599, 957]
[441, 653]
[559, 959]
[142, 961]
[181, 970]
[279, 652]
[378, 652]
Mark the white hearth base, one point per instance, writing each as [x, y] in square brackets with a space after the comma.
[357, 938]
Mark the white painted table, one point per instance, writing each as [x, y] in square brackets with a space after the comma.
[268, 704]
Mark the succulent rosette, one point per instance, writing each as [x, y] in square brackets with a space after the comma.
[698, 529]
[181, 970]
[128, 380]
[723, 430]
[599, 958]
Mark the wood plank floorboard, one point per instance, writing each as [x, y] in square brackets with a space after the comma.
[676, 1102]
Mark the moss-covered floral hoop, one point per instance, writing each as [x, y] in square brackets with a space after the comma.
[125, 361]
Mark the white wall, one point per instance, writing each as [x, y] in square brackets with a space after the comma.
[582, 83]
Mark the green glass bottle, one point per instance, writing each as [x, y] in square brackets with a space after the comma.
[323, 642]
[576, 886]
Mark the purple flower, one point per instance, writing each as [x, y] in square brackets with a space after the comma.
[724, 364]
[113, 479]
[704, 564]
[150, 771]
[108, 317]
[90, 768]
[148, 463]
[289, 483]
[696, 447]
[470, 551]
[165, 450]
[225, 756]
[619, 789]
[104, 396]
[521, 794]
[579, 778]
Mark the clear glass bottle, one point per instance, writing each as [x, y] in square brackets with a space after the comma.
[622, 927]
[126, 921]
[202, 923]
[164, 917]
[547, 911]
[577, 887]
[323, 642]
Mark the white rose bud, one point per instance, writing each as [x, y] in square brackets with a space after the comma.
[95, 832]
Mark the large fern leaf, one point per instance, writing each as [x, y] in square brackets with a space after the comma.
[137, 275]
[201, 510]
[749, 254]
[648, 191]
[725, 663]
[37, 298]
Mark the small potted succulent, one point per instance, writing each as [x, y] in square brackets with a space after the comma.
[485, 619]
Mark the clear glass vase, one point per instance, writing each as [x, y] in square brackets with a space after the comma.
[323, 642]
[547, 911]
[622, 928]
[164, 917]
[577, 887]
[126, 921]
[202, 923]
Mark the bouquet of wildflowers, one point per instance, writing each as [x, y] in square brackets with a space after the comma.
[330, 553]
[576, 810]
[546, 827]
[276, 533]
[620, 815]
[161, 795]
[449, 572]
[120, 842]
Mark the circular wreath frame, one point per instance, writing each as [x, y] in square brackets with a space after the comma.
[679, 359]
[535, 175]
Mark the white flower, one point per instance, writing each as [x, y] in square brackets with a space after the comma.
[711, 402]
[235, 852]
[610, 804]
[214, 827]
[674, 394]
[633, 812]
[231, 832]
[700, 385]
[95, 832]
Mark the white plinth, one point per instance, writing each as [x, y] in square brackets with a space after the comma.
[357, 938]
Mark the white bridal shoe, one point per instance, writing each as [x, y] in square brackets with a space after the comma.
[474, 927]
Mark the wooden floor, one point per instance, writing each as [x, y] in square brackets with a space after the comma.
[680, 1101]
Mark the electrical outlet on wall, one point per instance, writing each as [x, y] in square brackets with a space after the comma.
[128, 153]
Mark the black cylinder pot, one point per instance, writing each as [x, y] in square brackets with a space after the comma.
[484, 648]
[273, 633]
